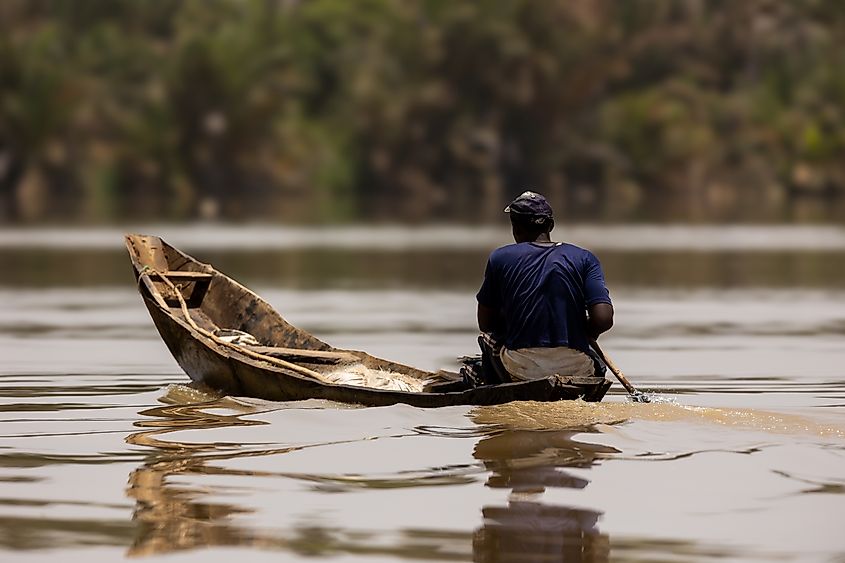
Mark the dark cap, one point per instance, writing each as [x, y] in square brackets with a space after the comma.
[530, 204]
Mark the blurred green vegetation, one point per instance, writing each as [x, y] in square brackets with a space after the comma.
[416, 110]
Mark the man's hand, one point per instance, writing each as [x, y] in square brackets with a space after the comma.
[600, 319]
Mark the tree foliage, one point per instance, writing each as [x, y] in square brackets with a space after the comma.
[418, 109]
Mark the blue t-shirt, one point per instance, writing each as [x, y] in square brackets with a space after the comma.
[543, 292]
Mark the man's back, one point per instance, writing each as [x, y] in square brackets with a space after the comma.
[542, 291]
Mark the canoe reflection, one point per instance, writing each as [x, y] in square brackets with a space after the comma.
[527, 462]
[172, 517]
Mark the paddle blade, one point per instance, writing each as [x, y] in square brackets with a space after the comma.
[639, 397]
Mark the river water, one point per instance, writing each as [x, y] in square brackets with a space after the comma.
[106, 453]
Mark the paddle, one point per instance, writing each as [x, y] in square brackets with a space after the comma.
[636, 396]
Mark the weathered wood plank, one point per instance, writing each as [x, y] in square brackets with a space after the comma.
[180, 275]
[313, 356]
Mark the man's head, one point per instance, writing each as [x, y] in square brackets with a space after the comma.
[531, 216]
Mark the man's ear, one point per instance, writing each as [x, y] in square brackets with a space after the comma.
[550, 224]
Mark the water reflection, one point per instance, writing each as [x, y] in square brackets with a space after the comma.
[524, 531]
[173, 516]
[527, 462]
[439, 268]
[192, 495]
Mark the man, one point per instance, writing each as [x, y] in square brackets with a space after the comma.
[541, 302]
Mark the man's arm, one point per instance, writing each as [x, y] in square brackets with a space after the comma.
[488, 318]
[600, 319]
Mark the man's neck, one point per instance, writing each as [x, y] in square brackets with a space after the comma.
[540, 239]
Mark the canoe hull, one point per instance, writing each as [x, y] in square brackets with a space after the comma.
[219, 367]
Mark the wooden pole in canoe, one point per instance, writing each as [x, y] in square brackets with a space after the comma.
[636, 395]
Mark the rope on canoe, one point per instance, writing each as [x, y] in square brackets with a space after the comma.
[147, 270]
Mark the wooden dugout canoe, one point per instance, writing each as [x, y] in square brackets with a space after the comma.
[289, 363]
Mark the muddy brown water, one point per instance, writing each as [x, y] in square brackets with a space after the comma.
[106, 453]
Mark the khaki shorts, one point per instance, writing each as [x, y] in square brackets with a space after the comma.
[537, 363]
